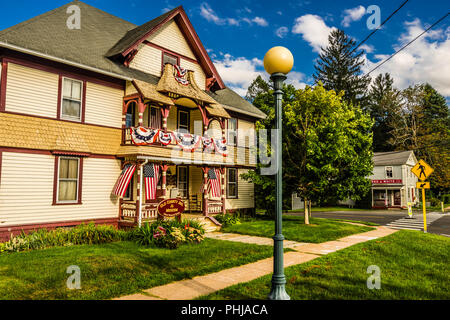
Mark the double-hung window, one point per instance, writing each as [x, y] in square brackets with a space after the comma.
[389, 173]
[232, 183]
[183, 121]
[182, 181]
[232, 132]
[68, 180]
[71, 99]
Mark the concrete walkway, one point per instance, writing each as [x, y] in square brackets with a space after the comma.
[203, 285]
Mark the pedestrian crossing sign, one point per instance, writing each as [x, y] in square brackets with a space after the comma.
[423, 185]
[422, 170]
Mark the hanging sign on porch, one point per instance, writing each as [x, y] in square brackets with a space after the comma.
[171, 208]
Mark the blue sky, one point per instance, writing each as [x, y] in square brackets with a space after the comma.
[237, 34]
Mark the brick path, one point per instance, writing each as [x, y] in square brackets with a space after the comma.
[203, 285]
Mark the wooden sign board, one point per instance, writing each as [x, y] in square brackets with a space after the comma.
[171, 208]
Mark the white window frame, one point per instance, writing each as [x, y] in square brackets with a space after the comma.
[65, 117]
[231, 143]
[386, 172]
[77, 200]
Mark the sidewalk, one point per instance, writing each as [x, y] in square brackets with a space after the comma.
[203, 285]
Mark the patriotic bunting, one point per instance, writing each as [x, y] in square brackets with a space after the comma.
[124, 180]
[143, 136]
[208, 143]
[221, 147]
[186, 141]
[165, 138]
[180, 75]
[151, 177]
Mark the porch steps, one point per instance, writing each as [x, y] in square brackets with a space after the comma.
[209, 223]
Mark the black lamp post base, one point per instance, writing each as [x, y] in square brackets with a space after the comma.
[278, 293]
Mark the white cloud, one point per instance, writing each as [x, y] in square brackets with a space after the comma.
[313, 30]
[425, 60]
[209, 14]
[354, 14]
[281, 32]
[239, 73]
[367, 48]
[260, 21]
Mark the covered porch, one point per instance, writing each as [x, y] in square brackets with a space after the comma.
[200, 186]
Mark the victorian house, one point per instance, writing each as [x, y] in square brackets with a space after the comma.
[102, 121]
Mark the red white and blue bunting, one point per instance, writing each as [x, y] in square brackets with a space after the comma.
[221, 146]
[143, 136]
[180, 75]
[165, 138]
[208, 143]
[188, 142]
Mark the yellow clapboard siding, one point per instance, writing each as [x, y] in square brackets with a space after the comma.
[104, 105]
[170, 37]
[148, 59]
[26, 191]
[31, 91]
[246, 198]
[199, 74]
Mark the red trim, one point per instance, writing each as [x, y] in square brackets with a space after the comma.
[168, 51]
[64, 70]
[49, 153]
[70, 154]
[83, 103]
[60, 88]
[3, 80]
[55, 180]
[5, 232]
[59, 108]
[183, 22]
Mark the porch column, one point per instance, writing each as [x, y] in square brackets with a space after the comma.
[386, 201]
[206, 120]
[138, 216]
[165, 111]
[141, 108]
[223, 172]
[372, 198]
[205, 188]
[164, 179]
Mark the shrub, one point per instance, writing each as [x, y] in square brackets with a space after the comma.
[228, 219]
[168, 234]
[82, 234]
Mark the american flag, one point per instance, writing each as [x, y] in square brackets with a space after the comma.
[124, 180]
[214, 183]
[151, 176]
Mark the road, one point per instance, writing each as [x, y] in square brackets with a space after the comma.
[439, 226]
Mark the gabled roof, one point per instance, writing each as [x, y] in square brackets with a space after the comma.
[391, 158]
[102, 35]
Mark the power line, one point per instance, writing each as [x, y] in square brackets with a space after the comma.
[379, 27]
[442, 18]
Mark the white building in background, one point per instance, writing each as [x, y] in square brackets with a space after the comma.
[393, 183]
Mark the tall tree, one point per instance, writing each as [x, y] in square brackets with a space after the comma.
[383, 100]
[339, 68]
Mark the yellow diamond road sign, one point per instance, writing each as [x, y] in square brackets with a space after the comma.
[422, 170]
[423, 185]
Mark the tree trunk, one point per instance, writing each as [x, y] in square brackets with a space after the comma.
[310, 211]
[305, 201]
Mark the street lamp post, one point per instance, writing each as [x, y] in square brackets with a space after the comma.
[278, 62]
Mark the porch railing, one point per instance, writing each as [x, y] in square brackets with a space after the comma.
[214, 207]
[129, 211]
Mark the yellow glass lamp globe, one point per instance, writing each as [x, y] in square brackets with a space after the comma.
[278, 60]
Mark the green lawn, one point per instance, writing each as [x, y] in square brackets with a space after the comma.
[115, 269]
[320, 230]
[413, 265]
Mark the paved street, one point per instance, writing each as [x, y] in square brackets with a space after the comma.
[436, 222]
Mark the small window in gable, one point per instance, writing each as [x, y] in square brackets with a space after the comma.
[168, 58]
